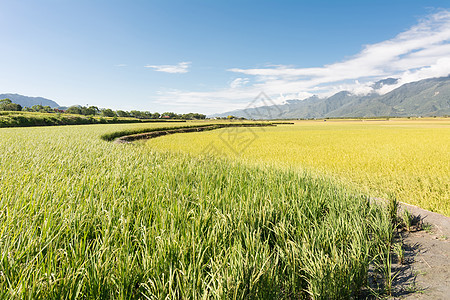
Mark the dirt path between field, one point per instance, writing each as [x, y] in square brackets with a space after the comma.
[425, 273]
[154, 134]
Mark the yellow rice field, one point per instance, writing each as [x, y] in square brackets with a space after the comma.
[408, 159]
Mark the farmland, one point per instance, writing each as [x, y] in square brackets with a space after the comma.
[81, 217]
[406, 159]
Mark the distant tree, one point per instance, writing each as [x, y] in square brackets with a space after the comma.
[89, 110]
[74, 110]
[193, 116]
[47, 109]
[108, 112]
[95, 109]
[42, 109]
[231, 117]
[85, 111]
[5, 101]
[147, 115]
[198, 116]
[170, 115]
[137, 114]
[37, 108]
[188, 116]
[8, 105]
[14, 107]
[122, 113]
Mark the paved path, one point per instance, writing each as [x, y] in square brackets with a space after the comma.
[426, 273]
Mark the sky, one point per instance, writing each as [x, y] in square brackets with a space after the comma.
[215, 56]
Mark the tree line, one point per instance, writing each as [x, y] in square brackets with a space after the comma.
[8, 105]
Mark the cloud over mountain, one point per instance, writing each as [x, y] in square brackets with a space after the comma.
[422, 51]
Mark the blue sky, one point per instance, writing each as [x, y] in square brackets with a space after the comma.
[215, 56]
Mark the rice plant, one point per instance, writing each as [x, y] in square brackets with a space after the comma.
[405, 158]
[84, 218]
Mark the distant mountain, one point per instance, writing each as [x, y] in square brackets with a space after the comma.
[26, 101]
[388, 81]
[428, 97]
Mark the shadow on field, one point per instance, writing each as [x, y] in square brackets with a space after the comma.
[403, 275]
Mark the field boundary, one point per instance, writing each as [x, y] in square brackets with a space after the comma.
[439, 221]
[149, 134]
[421, 260]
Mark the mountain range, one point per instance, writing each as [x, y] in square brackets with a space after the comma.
[26, 101]
[428, 97]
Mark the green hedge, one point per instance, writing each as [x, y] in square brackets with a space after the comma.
[14, 119]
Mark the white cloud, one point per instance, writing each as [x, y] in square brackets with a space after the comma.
[238, 82]
[181, 67]
[423, 51]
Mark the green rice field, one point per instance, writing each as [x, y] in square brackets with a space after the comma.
[85, 218]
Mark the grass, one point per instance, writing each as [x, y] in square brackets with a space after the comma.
[407, 219]
[427, 227]
[405, 159]
[399, 252]
[84, 218]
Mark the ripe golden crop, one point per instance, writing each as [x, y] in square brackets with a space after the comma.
[407, 159]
